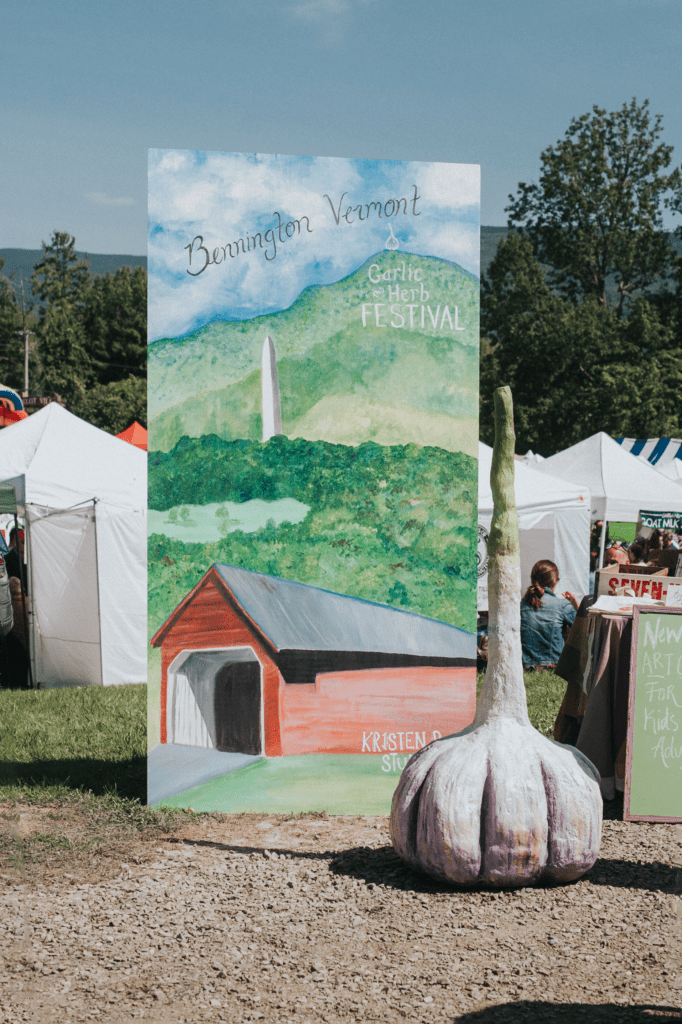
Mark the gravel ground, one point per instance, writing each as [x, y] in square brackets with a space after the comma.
[253, 918]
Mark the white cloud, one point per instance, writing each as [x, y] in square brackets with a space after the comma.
[320, 10]
[105, 200]
[451, 186]
[331, 17]
[224, 197]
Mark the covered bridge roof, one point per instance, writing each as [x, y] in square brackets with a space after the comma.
[295, 616]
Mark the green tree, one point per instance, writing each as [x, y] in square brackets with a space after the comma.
[576, 310]
[61, 277]
[64, 362]
[574, 368]
[114, 406]
[115, 322]
[61, 281]
[92, 336]
[11, 349]
[15, 316]
[546, 349]
[595, 216]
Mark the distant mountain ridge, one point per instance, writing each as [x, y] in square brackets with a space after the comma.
[20, 263]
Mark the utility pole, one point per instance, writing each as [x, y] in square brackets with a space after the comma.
[25, 335]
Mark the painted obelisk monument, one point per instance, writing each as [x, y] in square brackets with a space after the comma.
[272, 414]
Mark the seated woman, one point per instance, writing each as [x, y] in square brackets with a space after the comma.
[544, 617]
[636, 554]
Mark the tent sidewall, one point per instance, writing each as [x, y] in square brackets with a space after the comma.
[122, 569]
[63, 594]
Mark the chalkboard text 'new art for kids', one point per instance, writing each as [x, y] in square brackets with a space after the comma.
[313, 405]
[653, 775]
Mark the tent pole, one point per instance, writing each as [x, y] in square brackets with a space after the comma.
[99, 603]
[22, 580]
[602, 543]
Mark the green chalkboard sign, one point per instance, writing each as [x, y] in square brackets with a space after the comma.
[653, 777]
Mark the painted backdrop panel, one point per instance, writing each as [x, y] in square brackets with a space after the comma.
[313, 404]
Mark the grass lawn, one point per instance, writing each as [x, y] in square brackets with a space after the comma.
[78, 759]
[93, 738]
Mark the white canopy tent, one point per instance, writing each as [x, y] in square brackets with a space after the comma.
[82, 494]
[620, 485]
[554, 523]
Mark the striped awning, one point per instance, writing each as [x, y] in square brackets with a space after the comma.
[665, 453]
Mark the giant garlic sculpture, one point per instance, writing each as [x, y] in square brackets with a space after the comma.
[498, 803]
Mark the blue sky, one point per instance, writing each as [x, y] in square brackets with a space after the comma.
[87, 87]
[310, 222]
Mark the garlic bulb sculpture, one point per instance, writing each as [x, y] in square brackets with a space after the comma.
[498, 803]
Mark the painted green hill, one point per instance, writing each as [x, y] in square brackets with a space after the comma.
[342, 419]
[324, 350]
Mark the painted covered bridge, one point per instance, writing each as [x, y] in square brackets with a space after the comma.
[260, 665]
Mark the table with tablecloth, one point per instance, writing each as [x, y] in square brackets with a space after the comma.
[593, 715]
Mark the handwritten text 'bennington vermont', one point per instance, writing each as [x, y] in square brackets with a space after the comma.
[266, 242]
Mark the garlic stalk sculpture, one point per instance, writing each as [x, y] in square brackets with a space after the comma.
[498, 803]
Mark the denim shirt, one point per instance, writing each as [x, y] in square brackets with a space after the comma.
[542, 638]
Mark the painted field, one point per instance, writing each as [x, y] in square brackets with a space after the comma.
[338, 784]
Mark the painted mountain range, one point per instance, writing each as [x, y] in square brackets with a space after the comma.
[388, 354]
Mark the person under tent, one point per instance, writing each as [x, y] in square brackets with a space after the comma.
[15, 557]
[16, 640]
[546, 617]
[616, 553]
[636, 554]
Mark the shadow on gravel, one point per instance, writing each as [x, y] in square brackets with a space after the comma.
[128, 777]
[383, 866]
[545, 1013]
[625, 874]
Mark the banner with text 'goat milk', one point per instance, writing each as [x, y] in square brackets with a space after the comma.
[313, 428]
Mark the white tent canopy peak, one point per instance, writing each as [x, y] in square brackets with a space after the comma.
[620, 485]
[66, 461]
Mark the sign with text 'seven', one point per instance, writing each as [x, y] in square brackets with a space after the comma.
[656, 587]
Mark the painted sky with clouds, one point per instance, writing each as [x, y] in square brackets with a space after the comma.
[225, 196]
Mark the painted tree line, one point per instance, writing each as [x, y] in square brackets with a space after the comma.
[88, 340]
[389, 524]
[581, 308]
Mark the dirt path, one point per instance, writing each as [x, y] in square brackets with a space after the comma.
[252, 918]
